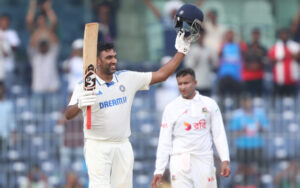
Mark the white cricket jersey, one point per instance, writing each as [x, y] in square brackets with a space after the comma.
[111, 114]
[189, 126]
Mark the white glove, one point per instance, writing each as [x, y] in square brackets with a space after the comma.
[181, 44]
[86, 98]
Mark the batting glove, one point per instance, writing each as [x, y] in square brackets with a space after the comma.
[181, 44]
[86, 98]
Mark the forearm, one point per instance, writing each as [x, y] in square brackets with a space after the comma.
[30, 14]
[164, 148]
[164, 72]
[222, 147]
[155, 11]
[162, 158]
[219, 136]
[35, 38]
[72, 111]
[52, 18]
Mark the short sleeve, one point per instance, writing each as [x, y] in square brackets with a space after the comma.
[13, 38]
[75, 94]
[142, 79]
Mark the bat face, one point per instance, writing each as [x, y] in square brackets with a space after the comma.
[89, 62]
[90, 55]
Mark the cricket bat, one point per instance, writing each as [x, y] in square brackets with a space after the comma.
[89, 62]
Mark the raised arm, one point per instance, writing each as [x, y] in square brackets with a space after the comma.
[35, 37]
[182, 45]
[153, 8]
[50, 15]
[30, 15]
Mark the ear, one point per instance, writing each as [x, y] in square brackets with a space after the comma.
[98, 61]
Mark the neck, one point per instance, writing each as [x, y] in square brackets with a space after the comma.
[106, 77]
[191, 97]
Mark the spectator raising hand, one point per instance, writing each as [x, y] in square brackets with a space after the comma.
[43, 53]
[46, 19]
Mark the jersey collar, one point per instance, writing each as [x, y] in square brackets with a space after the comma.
[197, 98]
[101, 82]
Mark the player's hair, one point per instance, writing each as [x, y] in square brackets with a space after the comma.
[256, 30]
[186, 71]
[104, 3]
[5, 15]
[104, 46]
[282, 30]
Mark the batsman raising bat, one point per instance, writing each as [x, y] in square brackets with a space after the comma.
[107, 150]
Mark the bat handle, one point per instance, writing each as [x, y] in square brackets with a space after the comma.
[88, 117]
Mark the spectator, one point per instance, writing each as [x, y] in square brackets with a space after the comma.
[203, 60]
[4, 51]
[230, 68]
[253, 69]
[9, 42]
[73, 65]
[36, 178]
[46, 20]
[73, 133]
[214, 31]
[295, 26]
[43, 53]
[107, 25]
[167, 20]
[289, 177]
[284, 56]
[248, 125]
[72, 181]
[8, 124]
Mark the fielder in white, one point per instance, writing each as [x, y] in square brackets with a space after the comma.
[108, 153]
[190, 124]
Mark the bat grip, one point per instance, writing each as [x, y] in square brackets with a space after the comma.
[88, 117]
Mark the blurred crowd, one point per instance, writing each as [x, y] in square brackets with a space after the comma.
[238, 67]
[225, 66]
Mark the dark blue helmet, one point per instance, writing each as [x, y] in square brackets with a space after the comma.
[189, 18]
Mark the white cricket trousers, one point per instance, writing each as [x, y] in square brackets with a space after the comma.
[109, 164]
[190, 171]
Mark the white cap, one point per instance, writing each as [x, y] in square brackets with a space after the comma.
[77, 44]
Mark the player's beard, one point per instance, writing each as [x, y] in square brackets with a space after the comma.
[110, 69]
[187, 94]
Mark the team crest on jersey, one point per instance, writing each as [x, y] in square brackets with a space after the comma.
[122, 88]
[204, 110]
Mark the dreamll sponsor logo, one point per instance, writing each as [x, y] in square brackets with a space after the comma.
[113, 102]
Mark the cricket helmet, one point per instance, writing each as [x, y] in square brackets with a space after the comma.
[189, 18]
